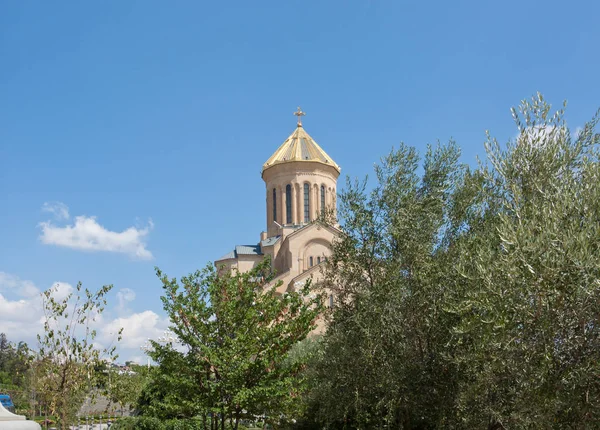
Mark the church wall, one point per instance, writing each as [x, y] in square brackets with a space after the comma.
[316, 276]
[315, 242]
[298, 163]
[283, 259]
[297, 174]
[225, 266]
[248, 262]
[314, 253]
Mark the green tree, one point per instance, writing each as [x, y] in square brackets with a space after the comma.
[237, 332]
[14, 361]
[385, 361]
[469, 299]
[65, 369]
[6, 351]
[529, 331]
[125, 388]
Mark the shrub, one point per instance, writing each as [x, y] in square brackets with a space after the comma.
[138, 423]
[184, 424]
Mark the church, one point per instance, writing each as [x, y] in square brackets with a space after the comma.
[300, 179]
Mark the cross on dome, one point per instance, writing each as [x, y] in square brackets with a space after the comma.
[299, 114]
[300, 147]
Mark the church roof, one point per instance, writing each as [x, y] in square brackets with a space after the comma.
[299, 146]
[242, 250]
[248, 250]
[269, 241]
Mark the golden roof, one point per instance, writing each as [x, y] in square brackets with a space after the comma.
[299, 146]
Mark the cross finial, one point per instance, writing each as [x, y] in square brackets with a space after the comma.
[299, 114]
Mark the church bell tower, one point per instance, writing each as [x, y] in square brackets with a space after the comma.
[301, 181]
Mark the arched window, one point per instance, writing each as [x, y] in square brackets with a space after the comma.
[310, 262]
[322, 200]
[318, 260]
[288, 204]
[274, 205]
[306, 203]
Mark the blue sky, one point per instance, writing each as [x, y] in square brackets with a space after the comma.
[157, 116]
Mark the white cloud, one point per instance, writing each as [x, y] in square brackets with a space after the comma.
[17, 285]
[21, 312]
[87, 235]
[58, 209]
[22, 317]
[22, 309]
[61, 290]
[124, 296]
[18, 311]
[138, 359]
[137, 328]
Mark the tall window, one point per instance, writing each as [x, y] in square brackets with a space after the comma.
[323, 200]
[310, 261]
[331, 300]
[318, 260]
[288, 204]
[274, 205]
[306, 203]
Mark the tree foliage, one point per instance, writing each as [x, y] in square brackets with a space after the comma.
[384, 361]
[529, 297]
[468, 298]
[237, 333]
[14, 362]
[125, 388]
[65, 368]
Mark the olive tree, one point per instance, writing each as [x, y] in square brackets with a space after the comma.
[528, 301]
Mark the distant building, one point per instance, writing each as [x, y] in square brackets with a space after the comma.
[301, 182]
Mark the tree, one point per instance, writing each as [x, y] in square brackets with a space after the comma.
[14, 361]
[469, 299]
[5, 352]
[65, 369]
[385, 361]
[125, 388]
[238, 333]
[529, 331]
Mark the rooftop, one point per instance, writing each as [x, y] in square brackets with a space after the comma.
[299, 146]
[242, 250]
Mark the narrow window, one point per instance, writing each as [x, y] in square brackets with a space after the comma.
[310, 262]
[274, 205]
[318, 260]
[288, 204]
[322, 200]
[306, 203]
[331, 300]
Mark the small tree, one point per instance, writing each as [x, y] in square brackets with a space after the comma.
[68, 357]
[14, 361]
[125, 388]
[238, 333]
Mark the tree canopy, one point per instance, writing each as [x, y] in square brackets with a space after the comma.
[469, 297]
[236, 333]
[65, 369]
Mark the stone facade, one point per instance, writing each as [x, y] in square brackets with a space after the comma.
[300, 180]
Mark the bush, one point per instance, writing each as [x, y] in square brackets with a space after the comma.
[139, 423]
[152, 423]
[184, 424]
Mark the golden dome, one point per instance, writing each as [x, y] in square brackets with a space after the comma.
[299, 146]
